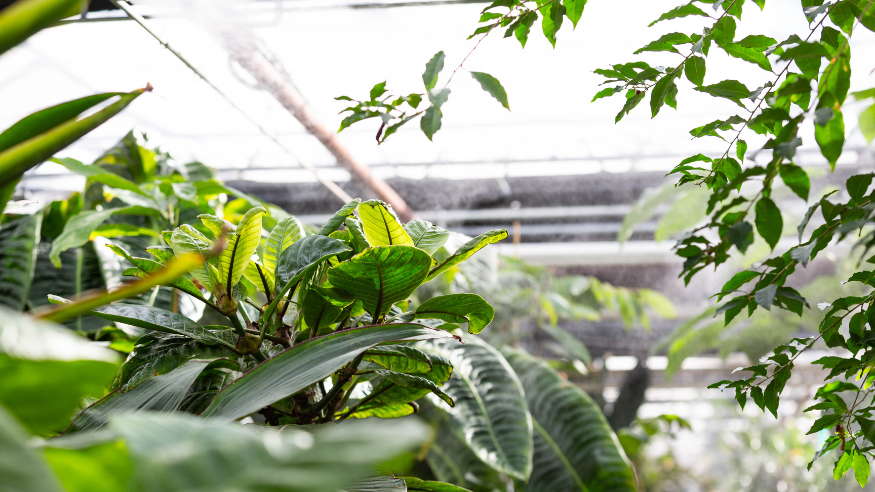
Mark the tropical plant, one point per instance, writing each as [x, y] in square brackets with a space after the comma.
[808, 82]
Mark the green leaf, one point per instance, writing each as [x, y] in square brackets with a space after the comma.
[121, 229]
[241, 246]
[724, 31]
[295, 260]
[431, 121]
[796, 179]
[219, 227]
[525, 26]
[753, 55]
[740, 150]
[322, 307]
[768, 221]
[426, 236]
[104, 466]
[661, 90]
[159, 353]
[452, 460]
[99, 174]
[18, 249]
[338, 217]
[867, 123]
[843, 465]
[418, 383]
[737, 281]
[729, 89]
[491, 85]
[861, 468]
[417, 485]
[304, 364]
[79, 273]
[552, 21]
[694, 69]
[145, 267]
[184, 243]
[765, 297]
[491, 410]
[831, 138]
[253, 458]
[157, 394]
[574, 10]
[157, 319]
[400, 358]
[21, 467]
[381, 226]
[382, 276]
[47, 370]
[78, 229]
[575, 448]
[432, 70]
[57, 129]
[666, 42]
[283, 235]
[631, 101]
[466, 251]
[858, 185]
[458, 308]
[377, 484]
[740, 235]
[22, 19]
[678, 12]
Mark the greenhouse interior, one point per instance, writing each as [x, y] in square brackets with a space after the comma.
[412, 245]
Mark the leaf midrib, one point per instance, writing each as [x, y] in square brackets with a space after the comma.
[559, 454]
[488, 420]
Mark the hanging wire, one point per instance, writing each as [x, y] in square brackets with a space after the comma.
[332, 187]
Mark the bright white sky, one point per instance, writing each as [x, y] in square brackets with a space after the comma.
[334, 51]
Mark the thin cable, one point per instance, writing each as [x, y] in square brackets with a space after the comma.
[332, 187]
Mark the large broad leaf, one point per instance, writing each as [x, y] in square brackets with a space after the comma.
[283, 235]
[452, 461]
[382, 227]
[302, 255]
[21, 467]
[491, 410]
[338, 218]
[426, 236]
[322, 306]
[305, 364]
[57, 128]
[47, 370]
[237, 255]
[575, 448]
[160, 320]
[395, 388]
[78, 229]
[382, 276]
[24, 18]
[157, 394]
[458, 308]
[466, 251]
[211, 456]
[159, 353]
[401, 358]
[99, 174]
[145, 267]
[88, 463]
[18, 240]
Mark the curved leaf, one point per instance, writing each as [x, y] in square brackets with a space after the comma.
[491, 410]
[458, 308]
[22, 19]
[396, 387]
[356, 234]
[300, 256]
[304, 364]
[334, 222]
[491, 85]
[322, 307]
[382, 276]
[99, 174]
[159, 320]
[467, 250]
[161, 394]
[184, 243]
[452, 461]
[47, 370]
[241, 246]
[21, 467]
[400, 358]
[417, 485]
[575, 448]
[146, 267]
[78, 229]
[283, 235]
[219, 227]
[426, 236]
[381, 225]
[18, 248]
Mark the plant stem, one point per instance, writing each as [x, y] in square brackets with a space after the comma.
[345, 376]
[259, 356]
[238, 327]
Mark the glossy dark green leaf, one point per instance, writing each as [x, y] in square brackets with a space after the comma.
[575, 448]
[337, 219]
[432, 70]
[48, 370]
[321, 308]
[736, 282]
[21, 467]
[491, 410]
[381, 226]
[661, 90]
[728, 89]
[400, 358]
[79, 273]
[418, 383]
[831, 138]
[768, 221]
[466, 251]
[305, 364]
[796, 179]
[295, 260]
[452, 460]
[382, 276]
[393, 391]
[491, 85]
[157, 319]
[458, 308]
[740, 235]
[694, 69]
[858, 185]
[426, 236]
[746, 53]
[162, 394]
[18, 250]
[724, 31]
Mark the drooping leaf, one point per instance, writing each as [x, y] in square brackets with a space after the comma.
[768, 221]
[157, 319]
[305, 364]
[241, 246]
[295, 260]
[334, 222]
[157, 394]
[466, 251]
[78, 229]
[382, 276]
[426, 236]
[418, 383]
[574, 10]
[666, 42]
[18, 250]
[694, 69]
[394, 389]
[552, 21]
[432, 70]
[749, 54]
[283, 235]
[491, 85]
[796, 179]
[729, 89]
[831, 138]
[575, 448]
[452, 460]
[47, 370]
[458, 308]
[661, 90]
[99, 174]
[491, 410]
[382, 227]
